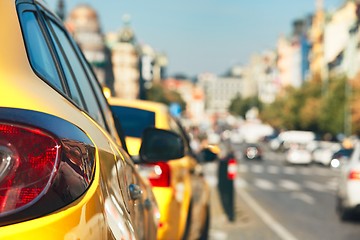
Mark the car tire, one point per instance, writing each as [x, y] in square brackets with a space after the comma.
[205, 231]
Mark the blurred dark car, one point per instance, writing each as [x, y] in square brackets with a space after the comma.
[340, 156]
[253, 152]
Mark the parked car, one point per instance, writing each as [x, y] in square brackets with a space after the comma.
[63, 172]
[180, 189]
[347, 195]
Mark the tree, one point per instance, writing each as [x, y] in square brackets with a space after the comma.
[240, 106]
[158, 93]
[332, 111]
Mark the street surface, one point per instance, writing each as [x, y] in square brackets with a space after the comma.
[277, 201]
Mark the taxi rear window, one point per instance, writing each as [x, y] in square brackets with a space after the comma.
[133, 120]
[38, 50]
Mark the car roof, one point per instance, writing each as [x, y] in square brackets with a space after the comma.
[161, 110]
[158, 108]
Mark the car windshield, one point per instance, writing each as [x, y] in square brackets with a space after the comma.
[134, 121]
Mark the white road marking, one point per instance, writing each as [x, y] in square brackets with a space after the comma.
[240, 183]
[315, 186]
[289, 185]
[257, 169]
[332, 184]
[289, 170]
[217, 235]
[273, 169]
[264, 184]
[304, 197]
[280, 230]
[243, 168]
[322, 172]
[306, 171]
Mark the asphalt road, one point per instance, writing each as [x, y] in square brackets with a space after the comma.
[276, 201]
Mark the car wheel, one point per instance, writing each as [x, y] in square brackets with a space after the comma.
[205, 231]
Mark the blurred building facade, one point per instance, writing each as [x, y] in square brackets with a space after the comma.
[125, 61]
[192, 94]
[316, 35]
[261, 77]
[340, 41]
[219, 91]
[293, 55]
[84, 25]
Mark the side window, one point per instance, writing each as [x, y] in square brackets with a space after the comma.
[74, 92]
[100, 96]
[174, 125]
[178, 128]
[38, 50]
[80, 74]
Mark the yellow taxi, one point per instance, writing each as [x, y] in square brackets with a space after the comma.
[179, 186]
[63, 172]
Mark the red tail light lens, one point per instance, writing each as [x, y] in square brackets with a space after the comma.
[28, 161]
[232, 169]
[354, 175]
[157, 173]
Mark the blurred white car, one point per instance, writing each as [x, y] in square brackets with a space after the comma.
[298, 154]
[347, 196]
[323, 153]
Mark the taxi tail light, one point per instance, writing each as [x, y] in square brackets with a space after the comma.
[231, 169]
[158, 174]
[354, 175]
[28, 163]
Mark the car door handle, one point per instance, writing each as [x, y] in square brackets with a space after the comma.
[148, 204]
[135, 191]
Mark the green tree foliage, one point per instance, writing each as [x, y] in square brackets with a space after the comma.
[310, 107]
[158, 93]
[331, 117]
[240, 106]
[274, 114]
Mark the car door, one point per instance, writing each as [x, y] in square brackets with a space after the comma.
[60, 101]
[200, 190]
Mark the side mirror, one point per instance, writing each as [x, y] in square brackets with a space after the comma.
[161, 145]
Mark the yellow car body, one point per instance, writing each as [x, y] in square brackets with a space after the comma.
[63, 173]
[184, 201]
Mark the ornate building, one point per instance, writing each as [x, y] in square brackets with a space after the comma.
[84, 25]
[125, 60]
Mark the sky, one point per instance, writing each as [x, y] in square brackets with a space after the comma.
[204, 35]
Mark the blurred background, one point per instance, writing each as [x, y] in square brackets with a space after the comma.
[279, 80]
[286, 64]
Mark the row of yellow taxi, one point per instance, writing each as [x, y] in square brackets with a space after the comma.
[65, 168]
[179, 186]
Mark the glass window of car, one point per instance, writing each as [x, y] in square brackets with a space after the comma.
[175, 126]
[38, 50]
[73, 88]
[80, 74]
[99, 94]
[133, 120]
